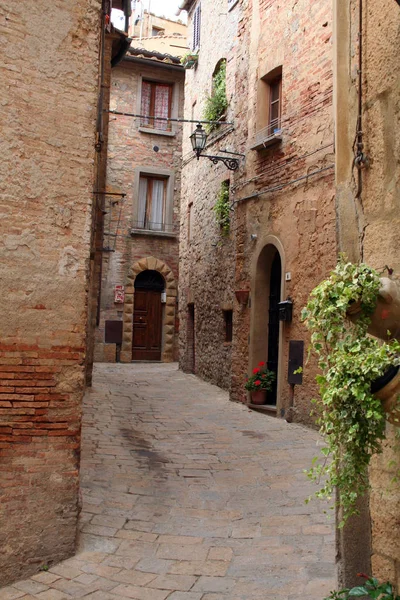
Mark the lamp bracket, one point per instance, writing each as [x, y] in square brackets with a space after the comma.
[231, 163]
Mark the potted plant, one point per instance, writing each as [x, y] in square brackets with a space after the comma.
[189, 60]
[260, 383]
[371, 588]
[355, 369]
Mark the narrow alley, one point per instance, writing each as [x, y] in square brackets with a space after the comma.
[188, 496]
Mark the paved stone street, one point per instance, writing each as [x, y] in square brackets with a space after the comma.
[188, 496]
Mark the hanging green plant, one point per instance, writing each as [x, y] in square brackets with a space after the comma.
[351, 418]
[217, 103]
[222, 209]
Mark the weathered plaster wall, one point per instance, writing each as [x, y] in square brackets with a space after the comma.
[207, 261]
[301, 216]
[129, 149]
[49, 90]
[372, 233]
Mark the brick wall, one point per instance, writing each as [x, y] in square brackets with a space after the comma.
[129, 148]
[257, 38]
[49, 91]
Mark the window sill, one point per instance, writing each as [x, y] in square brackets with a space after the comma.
[153, 233]
[260, 142]
[157, 131]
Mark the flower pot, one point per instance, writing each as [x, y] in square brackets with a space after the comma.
[258, 396]
[386, 316]
[387, 389]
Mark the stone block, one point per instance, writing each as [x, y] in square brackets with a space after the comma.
[126, 356]
[110, 353]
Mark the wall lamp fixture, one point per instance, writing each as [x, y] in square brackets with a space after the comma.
[199, 140]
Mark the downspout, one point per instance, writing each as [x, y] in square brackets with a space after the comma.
[360, 160]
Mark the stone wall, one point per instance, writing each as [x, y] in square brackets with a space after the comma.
[207, 260]
[48, 110]
[128, 150]
[368, 215]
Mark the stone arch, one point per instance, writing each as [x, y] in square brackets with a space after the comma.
[267, 246]
[144, 264]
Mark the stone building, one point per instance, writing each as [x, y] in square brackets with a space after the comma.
[282, 238]
[157, 33]
[49, 111]
[367, 96]
[140, 251]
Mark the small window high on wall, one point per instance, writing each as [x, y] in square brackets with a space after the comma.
[156, 102]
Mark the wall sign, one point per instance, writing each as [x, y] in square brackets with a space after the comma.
[119, 294]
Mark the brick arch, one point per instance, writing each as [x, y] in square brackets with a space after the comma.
[153, 264]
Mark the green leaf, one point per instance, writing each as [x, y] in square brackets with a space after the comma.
[358, 591]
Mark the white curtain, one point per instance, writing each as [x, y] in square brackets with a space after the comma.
[157, 205]
[141, 217]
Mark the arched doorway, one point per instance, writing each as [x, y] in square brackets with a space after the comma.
[147, 316]
[266, 329]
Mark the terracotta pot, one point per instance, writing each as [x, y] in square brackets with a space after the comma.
[386, 316]
[387, 389]
[258, 397]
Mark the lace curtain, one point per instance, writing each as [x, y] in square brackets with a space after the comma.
[155, 101]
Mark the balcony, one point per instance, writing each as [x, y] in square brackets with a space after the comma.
[267, 137]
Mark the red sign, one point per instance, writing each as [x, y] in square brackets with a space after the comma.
[119, 294]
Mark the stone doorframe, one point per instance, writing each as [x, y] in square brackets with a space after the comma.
[144, 264]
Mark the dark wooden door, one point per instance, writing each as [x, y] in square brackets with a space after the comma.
[273, 324]
[147, 325]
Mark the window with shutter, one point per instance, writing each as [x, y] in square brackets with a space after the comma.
[196, 28]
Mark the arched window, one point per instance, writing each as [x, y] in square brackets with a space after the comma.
[217, 103]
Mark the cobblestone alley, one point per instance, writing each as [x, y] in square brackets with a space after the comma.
[187, 496]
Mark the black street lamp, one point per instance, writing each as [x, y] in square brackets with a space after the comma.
[199, 140]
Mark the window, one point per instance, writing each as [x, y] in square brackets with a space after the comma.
[275, 101]
[153, 202]
[190, 221]
[157, 31]
[228, 318]
[269, 110]
[156, 102]
[151, 206]
[196, 27]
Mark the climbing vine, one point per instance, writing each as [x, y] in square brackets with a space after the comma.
[222, 209]
[217, 103]
[351, 418]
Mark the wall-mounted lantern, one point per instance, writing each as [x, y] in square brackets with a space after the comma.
[199, 140]
[285, 310]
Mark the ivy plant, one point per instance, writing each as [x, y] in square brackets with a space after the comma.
[370, 589]
[351, 419]
[222, 209]
[217, 103]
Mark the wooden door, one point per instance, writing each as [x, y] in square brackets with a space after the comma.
[147, 325]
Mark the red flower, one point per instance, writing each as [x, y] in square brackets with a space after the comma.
[258, 382]
[261, 364]
[256, 370]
